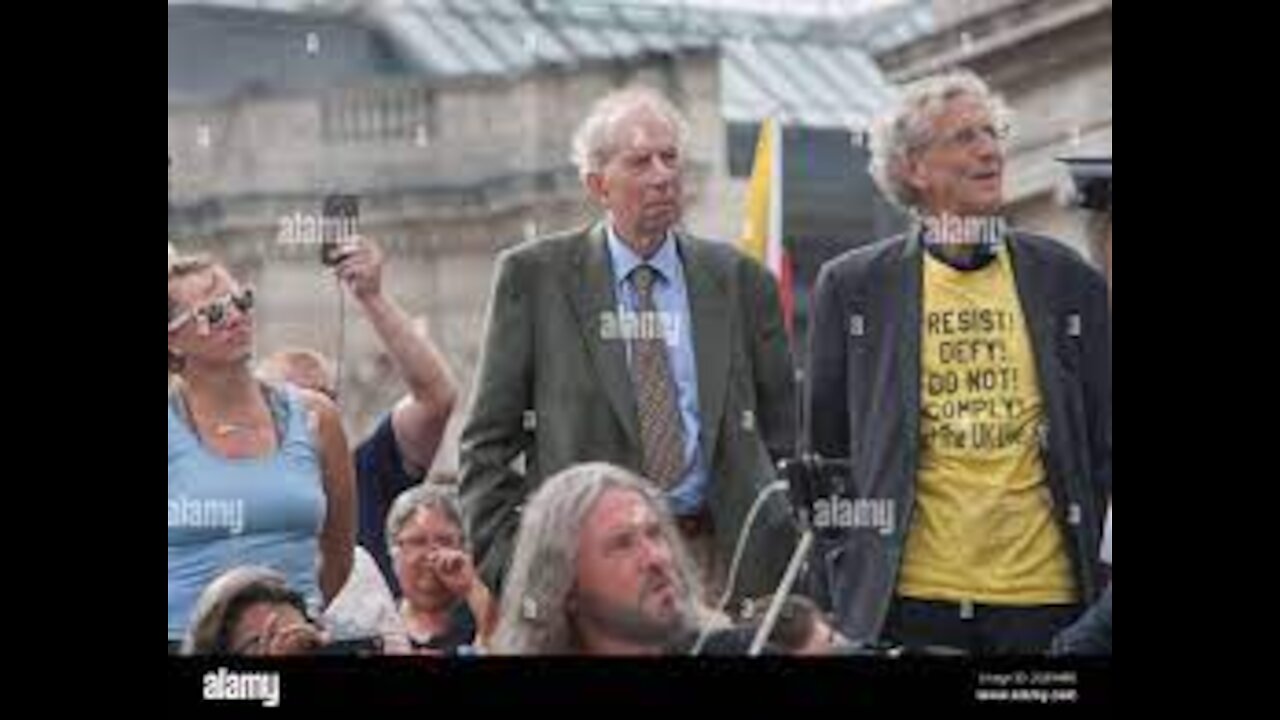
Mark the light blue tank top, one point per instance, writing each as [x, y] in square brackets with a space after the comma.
[226, 513]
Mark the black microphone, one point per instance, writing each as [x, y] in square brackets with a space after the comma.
[811, 477]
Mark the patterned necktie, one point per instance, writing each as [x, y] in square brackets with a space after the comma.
[661, 429]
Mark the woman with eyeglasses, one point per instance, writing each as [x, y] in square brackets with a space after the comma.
[258, 474]
[447, 609]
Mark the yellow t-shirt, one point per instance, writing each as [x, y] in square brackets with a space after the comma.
[983, 528]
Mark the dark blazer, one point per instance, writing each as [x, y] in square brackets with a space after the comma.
[553, 393]
[1091, 634]
[863, 402]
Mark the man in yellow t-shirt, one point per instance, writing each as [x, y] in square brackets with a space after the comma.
[983, 530]
[964, 371]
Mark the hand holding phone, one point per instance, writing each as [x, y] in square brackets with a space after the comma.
[340, 217]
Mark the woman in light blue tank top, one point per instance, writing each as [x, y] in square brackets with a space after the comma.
[258, 475]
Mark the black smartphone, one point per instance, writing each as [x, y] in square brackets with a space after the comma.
[340, 217]
[351, 647]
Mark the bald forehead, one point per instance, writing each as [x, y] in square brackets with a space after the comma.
[641, 125]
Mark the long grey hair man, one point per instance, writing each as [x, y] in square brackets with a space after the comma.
[599, 569]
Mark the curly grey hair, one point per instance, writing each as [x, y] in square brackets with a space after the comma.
[534, 619]
[906, 128]
[595, 141]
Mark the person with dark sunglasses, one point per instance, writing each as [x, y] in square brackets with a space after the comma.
[259, 474]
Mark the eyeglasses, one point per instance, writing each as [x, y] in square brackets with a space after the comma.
[216, 313]
[969, 137]
[422, 544]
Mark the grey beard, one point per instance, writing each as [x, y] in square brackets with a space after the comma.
[630, 624]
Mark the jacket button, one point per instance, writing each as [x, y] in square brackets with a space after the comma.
[1073, 514]
[857, 326]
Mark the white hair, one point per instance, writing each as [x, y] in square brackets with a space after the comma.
[595, 141]
[907, 127]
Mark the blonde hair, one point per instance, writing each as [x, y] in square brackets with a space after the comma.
[181, 266]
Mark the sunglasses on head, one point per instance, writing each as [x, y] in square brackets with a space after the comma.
[216, 313]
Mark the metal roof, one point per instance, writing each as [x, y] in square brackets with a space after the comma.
[815, 72]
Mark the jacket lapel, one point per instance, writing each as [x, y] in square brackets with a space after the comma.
[1035, 287]
[910, 277]
[712, 329]
[594, 300]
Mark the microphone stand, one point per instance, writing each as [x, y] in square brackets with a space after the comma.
[801, 476]
[783, 592]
